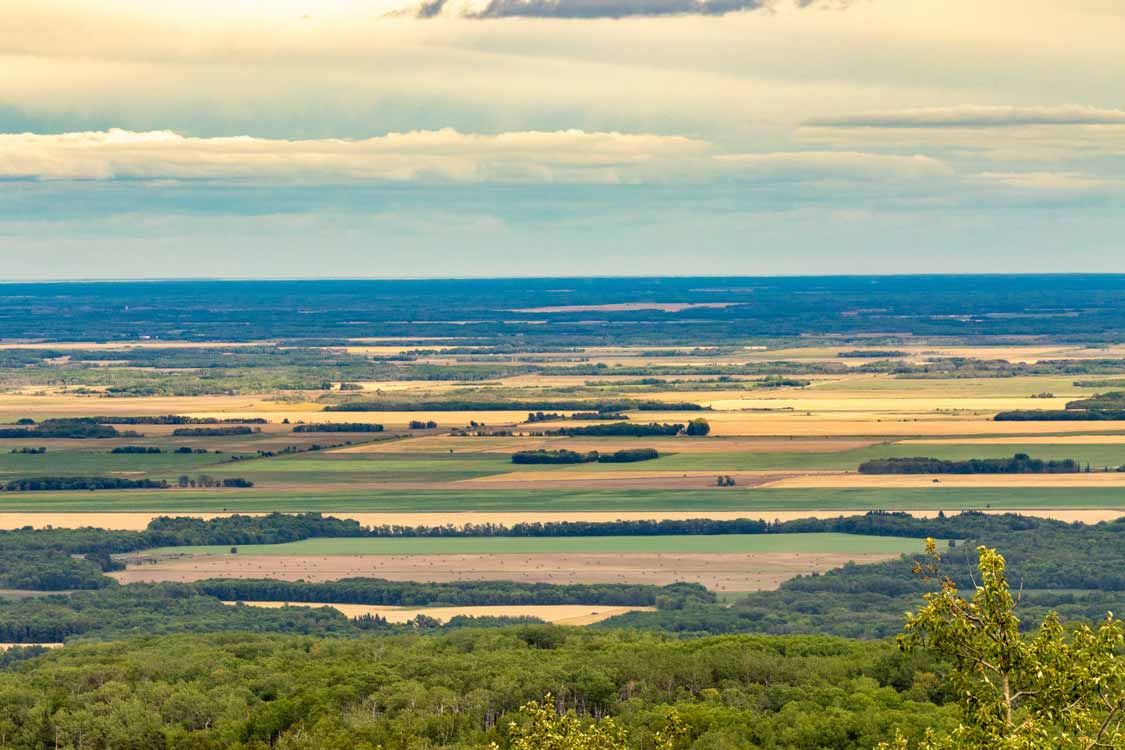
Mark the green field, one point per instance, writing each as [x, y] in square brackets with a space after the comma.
[330, 470]
[752, 501]
[102, 462]
[346, 468]
[1097, 456]
[848, 544]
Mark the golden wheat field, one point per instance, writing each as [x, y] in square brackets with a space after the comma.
[559, 614]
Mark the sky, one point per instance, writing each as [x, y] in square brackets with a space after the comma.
[467, 138]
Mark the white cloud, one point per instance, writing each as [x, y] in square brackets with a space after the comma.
[566, 156]
[1048, 181]
[443, 155]
[974, 116]
[806, 165]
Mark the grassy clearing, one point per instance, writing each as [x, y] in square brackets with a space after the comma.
[725, 544]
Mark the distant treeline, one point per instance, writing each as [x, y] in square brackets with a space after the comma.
[617, 429]
[34, 484]
[625, 456]
[152, 450]
[539, 416]
[1103, 407]
[377, 591]
[477, 405]
[168, 419]
[871, 354]
[214, 431]
[79, 429]
[339, 427]
[1060, 415]
[1020, 463]
[1112, 400]
[695, 428]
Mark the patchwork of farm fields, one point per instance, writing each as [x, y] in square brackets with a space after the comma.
[455, 460]
[775, 447]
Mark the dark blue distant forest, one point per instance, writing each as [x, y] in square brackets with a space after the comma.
[1066, 307]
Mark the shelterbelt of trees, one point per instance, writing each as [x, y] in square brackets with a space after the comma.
[628, 429]
[1020, 463]
[623, 456]
[339, 427]
[78, 429]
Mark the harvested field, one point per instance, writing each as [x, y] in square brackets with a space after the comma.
[822, 402]
[719, 572]
[6, 646]
[560, 614]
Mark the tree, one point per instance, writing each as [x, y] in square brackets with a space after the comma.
[697, 428]
[1050, 690]
[544, 728]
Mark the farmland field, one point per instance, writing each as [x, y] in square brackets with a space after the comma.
[565, 500]
[755, 571]
[843, 544]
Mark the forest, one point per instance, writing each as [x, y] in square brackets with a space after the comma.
[461, 688]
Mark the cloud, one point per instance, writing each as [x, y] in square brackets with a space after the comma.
[591, 9]
[818, 165]
[435, 156]
[972, 116]
[1049, 181]
[573, 9]
[567, 156]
